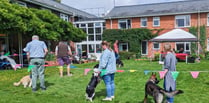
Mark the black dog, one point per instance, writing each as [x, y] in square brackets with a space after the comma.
[152, 89]
[119, 63]
[95, 79]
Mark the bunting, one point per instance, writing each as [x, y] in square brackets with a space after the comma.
[194, 74]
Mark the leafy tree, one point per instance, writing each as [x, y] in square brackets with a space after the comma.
[16, 19]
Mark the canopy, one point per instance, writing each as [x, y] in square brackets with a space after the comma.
[175, 35]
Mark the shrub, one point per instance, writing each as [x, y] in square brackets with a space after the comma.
[207, 55]
[156, 56]
[127, 55]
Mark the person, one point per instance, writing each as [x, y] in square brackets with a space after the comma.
[37, 51]
[62, 52]
[181, 50]
[169, 66]
[116, 49]
[108, 64]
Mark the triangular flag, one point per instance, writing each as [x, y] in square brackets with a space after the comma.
[15, 54]
[195, 74]
[175, 74]
[17, 66]
[46, 65]
[86, 71]
[132, 70]
[72, 66]
[7, 54]
[120, 70]
[162, 74]
[146, 72]
[30, 67]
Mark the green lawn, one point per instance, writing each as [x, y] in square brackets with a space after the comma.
[129, 85]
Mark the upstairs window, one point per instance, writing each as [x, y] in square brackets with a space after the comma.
[156, 21]
[64, 17]
[182, 21]
[143, 22]
[124, 24]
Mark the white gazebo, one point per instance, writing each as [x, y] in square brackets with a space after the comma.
[175, 35]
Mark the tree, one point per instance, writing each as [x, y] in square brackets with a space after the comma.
[16, 19]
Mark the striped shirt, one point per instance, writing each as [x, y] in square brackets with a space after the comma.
[170, 64]
[35, 48]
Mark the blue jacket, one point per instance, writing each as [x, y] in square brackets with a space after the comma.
[108, 62]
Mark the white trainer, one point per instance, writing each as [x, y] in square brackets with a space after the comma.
[112, 97]
[107, 99]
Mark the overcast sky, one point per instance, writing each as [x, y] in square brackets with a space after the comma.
[97, 7]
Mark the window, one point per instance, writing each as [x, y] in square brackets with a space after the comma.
[90, 37]
[184, 45]
[182, 21]
[143, 22]
[64, 17]
[91, 48]
[98, 37]
[98, 48]
[123, 46]
[156, 46]
[124, 24]
[156, 21]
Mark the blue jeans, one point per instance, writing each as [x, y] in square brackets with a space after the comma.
[169, 99]
[110, 85]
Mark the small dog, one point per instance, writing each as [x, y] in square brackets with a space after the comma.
[119, 63]
[152, 89]
[95, 79]
[26, 81]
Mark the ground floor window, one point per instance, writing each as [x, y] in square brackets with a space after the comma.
[156, 46]
[185, 45]
[123, 46]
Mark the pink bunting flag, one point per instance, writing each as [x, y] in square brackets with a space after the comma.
[15, 54]
[162, 74]
[195, 74]
[17, 66]
[120, 70]
[46, 65]
[86, 71]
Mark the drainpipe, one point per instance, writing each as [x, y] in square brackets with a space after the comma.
[198, 33]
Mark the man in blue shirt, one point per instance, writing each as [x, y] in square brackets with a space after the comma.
[37, 50]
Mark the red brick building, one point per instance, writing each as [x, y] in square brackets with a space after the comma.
[166, 16]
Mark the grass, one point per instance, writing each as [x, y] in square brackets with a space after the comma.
[129, 85]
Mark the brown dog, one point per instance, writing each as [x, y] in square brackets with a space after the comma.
[152, 89]
[26, 81]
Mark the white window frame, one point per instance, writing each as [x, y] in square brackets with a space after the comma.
[187, 23]
[157, 44]
[142, 22]
[64, 17]
[185, 44]
[157, 19]
[208, 19]
[124, 21]
[208, 44]
[121, 45]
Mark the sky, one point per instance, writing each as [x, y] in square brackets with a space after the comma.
[99, 7]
